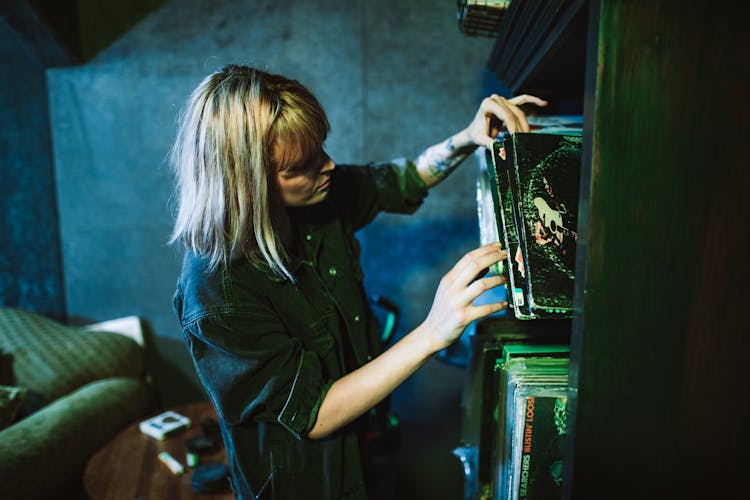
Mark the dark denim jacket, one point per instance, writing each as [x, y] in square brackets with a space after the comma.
[267, 350]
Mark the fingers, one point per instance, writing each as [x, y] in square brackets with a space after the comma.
[453, 309]
[527, 99]
[478, 287]
[475, 262]
[501, 108]
[523, 125]
[481, 274]
[486, 137]
[477, 312]
[520, 124]
[509, 112]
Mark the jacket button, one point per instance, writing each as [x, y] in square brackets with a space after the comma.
[332, 271]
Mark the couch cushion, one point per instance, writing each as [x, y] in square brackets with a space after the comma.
[54, 359]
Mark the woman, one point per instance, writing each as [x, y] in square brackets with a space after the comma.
[270, 298]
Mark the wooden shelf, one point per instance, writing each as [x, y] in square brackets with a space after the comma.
[659, 344]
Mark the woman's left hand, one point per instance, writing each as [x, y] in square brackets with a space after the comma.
[496, 111]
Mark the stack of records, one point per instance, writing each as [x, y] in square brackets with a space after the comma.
[482, 394]
[531, 421]
[528, 200]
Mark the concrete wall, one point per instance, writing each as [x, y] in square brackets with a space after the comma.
[30, 264]
[394, 77]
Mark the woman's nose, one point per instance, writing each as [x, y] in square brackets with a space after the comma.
[328, 165]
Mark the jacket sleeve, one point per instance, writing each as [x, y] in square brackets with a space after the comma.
[365, 191]
[254, 372]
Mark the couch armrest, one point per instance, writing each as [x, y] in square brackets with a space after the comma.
[45, 451]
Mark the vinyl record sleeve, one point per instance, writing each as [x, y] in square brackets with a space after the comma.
[541, 436]
[481, 397]
[514, 270]
[523, 370]
[535, 181]
[544, 178]
[489, 217]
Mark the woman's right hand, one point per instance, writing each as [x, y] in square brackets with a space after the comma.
[453, 309]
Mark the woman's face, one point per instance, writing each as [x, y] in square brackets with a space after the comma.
[302, 181]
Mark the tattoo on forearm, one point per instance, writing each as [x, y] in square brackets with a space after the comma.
[441, 159]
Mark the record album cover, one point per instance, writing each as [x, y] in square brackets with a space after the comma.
[537, 180]
[543, 429]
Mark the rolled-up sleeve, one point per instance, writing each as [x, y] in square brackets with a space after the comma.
[394, 187]
[301, 407]
[254, 372]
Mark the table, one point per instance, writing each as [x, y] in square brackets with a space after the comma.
[128, 467]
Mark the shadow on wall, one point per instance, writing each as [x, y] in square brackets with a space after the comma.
[174, 385]
[405, 261]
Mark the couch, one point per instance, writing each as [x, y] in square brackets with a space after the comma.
[65, 393]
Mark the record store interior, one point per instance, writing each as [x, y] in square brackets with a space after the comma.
[614, 372]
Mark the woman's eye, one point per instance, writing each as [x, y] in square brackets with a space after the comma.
[313, 164]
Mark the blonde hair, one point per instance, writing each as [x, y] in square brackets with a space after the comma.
[224, 165]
